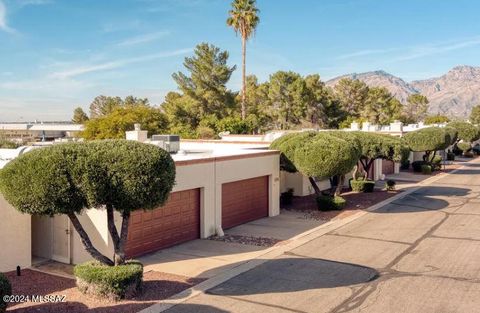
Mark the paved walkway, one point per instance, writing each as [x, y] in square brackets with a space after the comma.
[420, 253]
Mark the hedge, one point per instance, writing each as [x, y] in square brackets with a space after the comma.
[428, 139]
[112, 282]
[362, 185]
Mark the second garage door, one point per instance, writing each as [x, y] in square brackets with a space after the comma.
[176, 222]
[244, 201]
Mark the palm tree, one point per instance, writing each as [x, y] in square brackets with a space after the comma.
[244, 19]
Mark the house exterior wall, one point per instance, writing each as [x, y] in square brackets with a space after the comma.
[208, 175]
[15, 238]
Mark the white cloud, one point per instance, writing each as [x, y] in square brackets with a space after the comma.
[3, 19]
[362, 53]
[85, 69]
[426, 50]
[143, 39]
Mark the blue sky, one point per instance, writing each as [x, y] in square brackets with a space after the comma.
[56, 55]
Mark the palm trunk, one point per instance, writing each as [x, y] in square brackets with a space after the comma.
[244, 81]
[86, 241]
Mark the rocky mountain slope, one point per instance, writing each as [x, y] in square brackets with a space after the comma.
[452, 94]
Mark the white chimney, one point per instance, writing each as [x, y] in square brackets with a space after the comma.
[137, 134]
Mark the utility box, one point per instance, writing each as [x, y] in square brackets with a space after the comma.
[170, 143]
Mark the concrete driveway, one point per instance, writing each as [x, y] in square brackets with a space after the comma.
[420, 253]
[207, 258]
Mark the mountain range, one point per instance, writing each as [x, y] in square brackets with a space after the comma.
[452, 94]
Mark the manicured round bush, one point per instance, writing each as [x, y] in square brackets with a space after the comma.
[428, 139]
[405, 164]
[111, 282]
[426, 169]
[287, 144]
[325, 156]
[466, 131]
[5, 290]
[329, 203]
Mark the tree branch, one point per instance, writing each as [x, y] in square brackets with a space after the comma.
[314, 185]
[86, 241]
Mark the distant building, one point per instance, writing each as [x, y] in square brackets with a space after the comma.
[39, 131]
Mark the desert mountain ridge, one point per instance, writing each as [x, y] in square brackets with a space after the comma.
[452, 94]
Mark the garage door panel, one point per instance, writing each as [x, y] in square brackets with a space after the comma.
[176, 222]
[244, 201]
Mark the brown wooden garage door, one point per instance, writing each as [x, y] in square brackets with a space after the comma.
[244, 201]
[177, 221]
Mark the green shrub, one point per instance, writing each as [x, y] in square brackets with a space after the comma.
[111, 282]
[417, 166]
[405, 164]
[466, 131]
[7, 144]
[205, 132]
[450, 156]
[5, 290]
[329, 203]
[426, 169]
[436, 163]
[390, 185]
[362, 185]
[286, 197]
[464, 146]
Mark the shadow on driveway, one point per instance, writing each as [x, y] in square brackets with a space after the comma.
[290, 274]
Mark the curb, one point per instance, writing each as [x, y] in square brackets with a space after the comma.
[276, 251]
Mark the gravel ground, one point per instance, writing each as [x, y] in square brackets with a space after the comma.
[157, 286]
[355, 202]
[248, 240]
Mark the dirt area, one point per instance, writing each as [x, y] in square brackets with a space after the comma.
[157, 286]
[248, 240]
[356, 201]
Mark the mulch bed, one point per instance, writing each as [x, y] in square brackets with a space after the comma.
[157, 286]
[356, 201]
[248, 240]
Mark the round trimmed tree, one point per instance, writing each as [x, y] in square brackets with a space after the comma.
[116, 175]
[428, 140]
[467, 133]
[317, 155]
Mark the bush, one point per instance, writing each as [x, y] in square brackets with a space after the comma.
[450, 156]
[428, 139]
[205, 132]
[476, 149]
[362, 185]
[426, 169]
[111, 282]
[436, 163]
[466, 131]
[329, 203]
[390, 185]
[464, 146]
[417, 166]
[286, 197]
[405, 164]
[7, 144]
[5, 290]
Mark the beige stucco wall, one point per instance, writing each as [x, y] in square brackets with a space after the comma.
[15, 238]
[209, 177]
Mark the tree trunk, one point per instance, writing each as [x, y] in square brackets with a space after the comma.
[244, 80]
[355, 172]
[86, 241]
[120, 256]
[314, 185]
[341, 180]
